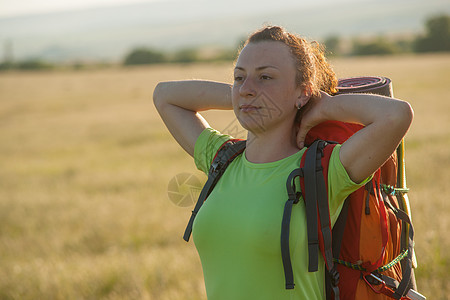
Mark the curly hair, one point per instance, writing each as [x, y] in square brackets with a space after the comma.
[312, 67]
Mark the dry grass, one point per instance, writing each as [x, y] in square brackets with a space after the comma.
[84, 167]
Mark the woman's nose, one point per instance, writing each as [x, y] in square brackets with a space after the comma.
[248, 88]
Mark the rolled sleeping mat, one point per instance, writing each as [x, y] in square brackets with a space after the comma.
[368, 84]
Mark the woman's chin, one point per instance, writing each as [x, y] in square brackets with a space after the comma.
[251, 125]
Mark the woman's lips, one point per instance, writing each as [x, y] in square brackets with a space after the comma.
[248, 108]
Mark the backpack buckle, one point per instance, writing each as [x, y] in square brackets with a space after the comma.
[216, 166]
[334, 276]
[290, 185]
[321, 147]
[295, 197]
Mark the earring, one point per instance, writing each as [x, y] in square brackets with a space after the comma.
[299, 106]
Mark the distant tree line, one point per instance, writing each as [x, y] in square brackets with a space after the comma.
[436, 38]
[143, 56]
[29, 64]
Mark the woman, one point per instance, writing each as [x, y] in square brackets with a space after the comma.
[282, 86]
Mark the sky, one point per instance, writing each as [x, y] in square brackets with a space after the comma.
[11, 8]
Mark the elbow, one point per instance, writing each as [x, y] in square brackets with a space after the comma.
[400, 119]
[410, 112]
[160, 95]
[157, 95]
[407, 115]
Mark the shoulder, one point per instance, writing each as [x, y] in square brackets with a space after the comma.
[206, 147]
[336, 166]
[340, 185]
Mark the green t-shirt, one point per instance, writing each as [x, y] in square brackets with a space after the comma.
[237, 230]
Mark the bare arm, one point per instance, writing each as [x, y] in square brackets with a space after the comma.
[386, 121]
[178, 103]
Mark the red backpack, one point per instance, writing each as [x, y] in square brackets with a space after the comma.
[369, 252]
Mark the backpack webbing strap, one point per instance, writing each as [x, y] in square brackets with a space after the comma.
[339, 228]
[285, 226]
[407, 272]
[338, 235]
[324, 218]
[310, 197]
[404, 287]
[316, 201]
[229, 151]
[324, 210]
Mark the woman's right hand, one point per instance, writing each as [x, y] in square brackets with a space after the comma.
[178, 103]
[312, 114]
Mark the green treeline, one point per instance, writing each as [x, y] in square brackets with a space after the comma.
[436, 38]
[143, 56]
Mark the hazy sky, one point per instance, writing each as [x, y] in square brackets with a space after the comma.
[21, 7]
[10, 8]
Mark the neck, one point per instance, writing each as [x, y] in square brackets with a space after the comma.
[271, 146]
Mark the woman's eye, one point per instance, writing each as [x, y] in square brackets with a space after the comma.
[265, 77]
[238, 78]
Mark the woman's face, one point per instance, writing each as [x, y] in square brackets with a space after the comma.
[265, 93]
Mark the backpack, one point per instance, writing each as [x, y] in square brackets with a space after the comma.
[369, 252]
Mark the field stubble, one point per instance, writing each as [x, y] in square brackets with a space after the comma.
[85, 163]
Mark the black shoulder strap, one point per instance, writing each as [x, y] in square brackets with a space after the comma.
[226, 154]
[338, 235]
[294, 197]
[310, 197]
[317, 206]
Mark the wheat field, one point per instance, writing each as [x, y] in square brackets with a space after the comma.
[85, 164]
